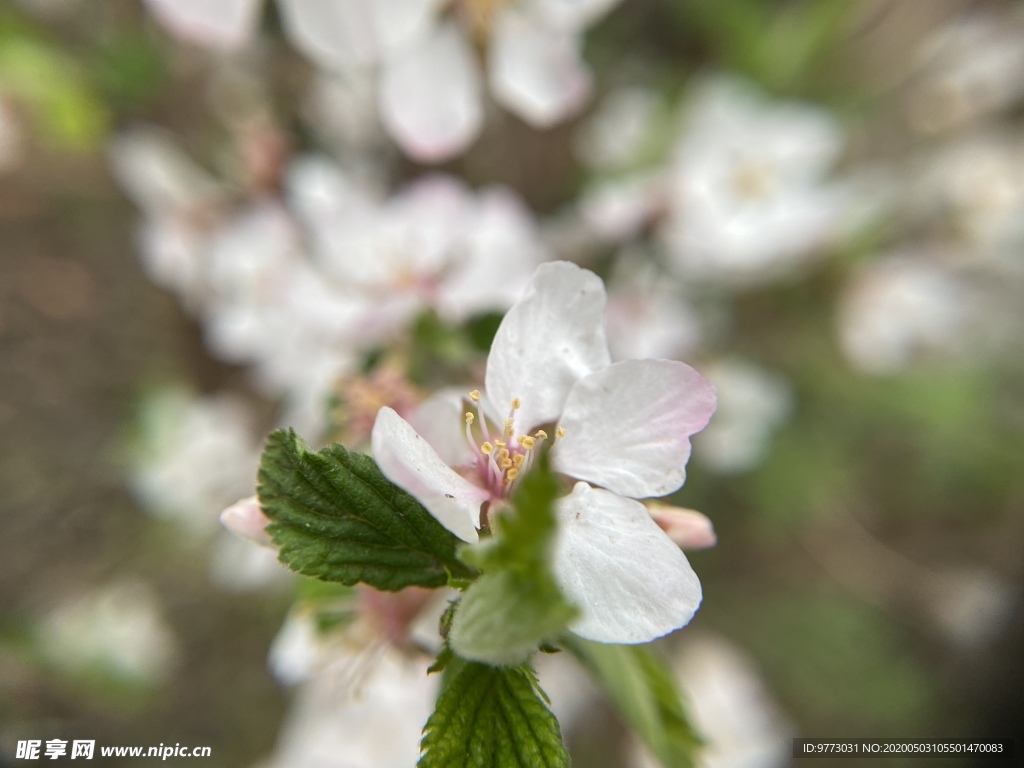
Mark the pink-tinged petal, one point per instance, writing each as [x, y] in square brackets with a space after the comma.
[430, 96]
[551, 338]
[629, 580]
[407, 460]
[224, 24]
[440, 420]
[688, 528]
[334, 33]
[245, 518]
[628, 427]
[536, 71]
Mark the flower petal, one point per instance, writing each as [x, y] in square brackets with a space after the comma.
[553, 336]
[536, 71]
[501, 250]
[407, 460]
[630, 581]
[430, 98]
[628, 427]
[336, 34]
[225, 24]
[440, 420]
[399, 22]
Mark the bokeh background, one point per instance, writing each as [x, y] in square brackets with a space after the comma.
[867, 484]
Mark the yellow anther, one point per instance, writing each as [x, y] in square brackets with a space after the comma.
[475, 395]
[487, 448]
[540, 434]
[469, 417]
[560, 432]
[517, 460]
[512, 474]
[527, 442]
[500, 443]
[516, 403]
[505, 463]
[503, 453]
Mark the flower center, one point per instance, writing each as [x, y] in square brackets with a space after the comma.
[500, 461]
[751, 181]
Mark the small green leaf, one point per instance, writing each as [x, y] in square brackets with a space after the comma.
[643, 689]
[491, 717]
[505, 615]
[517, 603]
[335, 516]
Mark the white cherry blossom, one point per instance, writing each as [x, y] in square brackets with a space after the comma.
[748, 194]
[427, 56]
[901, 308]
[433, 244]
[624, 428]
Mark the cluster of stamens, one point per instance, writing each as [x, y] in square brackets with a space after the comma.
[501, 460]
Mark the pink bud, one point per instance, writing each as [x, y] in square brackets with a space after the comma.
[245, 518]
[686, 527]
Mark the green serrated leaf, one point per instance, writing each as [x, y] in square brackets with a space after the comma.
[643, 688]
[336, 517]
[517, 603]
[491, 717]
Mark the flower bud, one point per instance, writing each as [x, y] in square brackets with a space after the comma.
[245, 519]
[686, 527]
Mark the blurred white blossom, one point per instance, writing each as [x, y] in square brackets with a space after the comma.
[426, 55]
[974, 188]
[749, 194]
[752, 404]
[237, 566]
[730, 708]
[118, 629]
[647, 316]
[175, 197]
[901, 308]
[365, 712]
[364, 693]
[969, 69]
[196, 455]
[614, 135]
[971, 605]
[433, 244]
